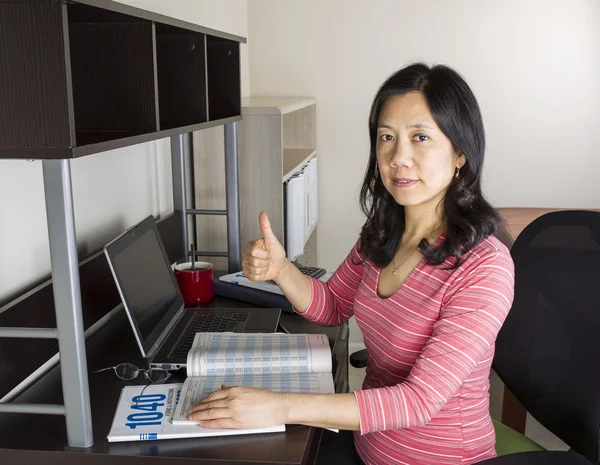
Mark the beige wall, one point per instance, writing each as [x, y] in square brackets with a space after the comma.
[534, 66]
[112, 190]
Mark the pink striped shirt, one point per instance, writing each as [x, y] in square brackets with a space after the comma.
[425, 396]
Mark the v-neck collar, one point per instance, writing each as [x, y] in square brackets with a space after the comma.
[419, 265]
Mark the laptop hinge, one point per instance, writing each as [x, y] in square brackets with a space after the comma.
[152, 351]
[165, 334]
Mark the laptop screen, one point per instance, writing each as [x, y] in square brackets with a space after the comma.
[145, 281]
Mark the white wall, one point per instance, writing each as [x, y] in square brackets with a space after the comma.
[112, 190]
[534, 66]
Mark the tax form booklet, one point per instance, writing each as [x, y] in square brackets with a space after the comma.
[277, 362]
[147, 416]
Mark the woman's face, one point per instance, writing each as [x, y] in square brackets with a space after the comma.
[416, 160]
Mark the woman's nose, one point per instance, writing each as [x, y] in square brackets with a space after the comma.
[402, 156]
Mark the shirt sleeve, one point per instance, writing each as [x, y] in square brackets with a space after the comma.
[472, 312]
[332, 302]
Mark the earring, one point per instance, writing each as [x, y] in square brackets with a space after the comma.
[457, 173]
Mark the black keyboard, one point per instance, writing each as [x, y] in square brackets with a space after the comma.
[209, 322]
[310, 271]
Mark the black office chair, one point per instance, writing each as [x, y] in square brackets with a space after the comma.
[549, 346]
[548, 350]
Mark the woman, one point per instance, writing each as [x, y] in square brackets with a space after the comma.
[427, 281]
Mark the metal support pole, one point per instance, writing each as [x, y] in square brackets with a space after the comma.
[191, 190]
[179, 152]
[232, 187]
[39, 333]
[44, 409]
[67, 301]
[208, 253]
[194, 211]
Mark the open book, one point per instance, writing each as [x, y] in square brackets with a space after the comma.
[277, 362]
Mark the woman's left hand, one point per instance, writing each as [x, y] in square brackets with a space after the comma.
[241, 408]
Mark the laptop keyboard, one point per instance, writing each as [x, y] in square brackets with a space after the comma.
[310, 271]
[209, 322]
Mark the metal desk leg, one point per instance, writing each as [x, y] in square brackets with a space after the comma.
[67, 301]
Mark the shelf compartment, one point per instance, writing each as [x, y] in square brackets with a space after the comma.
[112, 72]
[294, 159]
[224, 91]
[181, 67]
[300, 127]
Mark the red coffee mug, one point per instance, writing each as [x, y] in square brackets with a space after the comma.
[197, 285]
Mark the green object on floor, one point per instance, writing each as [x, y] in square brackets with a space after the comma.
[509, 441]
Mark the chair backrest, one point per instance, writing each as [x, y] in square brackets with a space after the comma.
[548, 350]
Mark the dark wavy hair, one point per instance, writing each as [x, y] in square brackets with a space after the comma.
[468, 216]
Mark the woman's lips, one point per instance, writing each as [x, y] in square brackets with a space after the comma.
[404, 182]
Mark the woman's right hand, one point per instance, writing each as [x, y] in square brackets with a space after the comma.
[264, 258]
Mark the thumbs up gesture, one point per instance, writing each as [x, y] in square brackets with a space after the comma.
[264, 258]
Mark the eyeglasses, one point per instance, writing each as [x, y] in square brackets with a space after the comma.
[128, 371]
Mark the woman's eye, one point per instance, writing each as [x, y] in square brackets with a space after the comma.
[421, 137]
[386, 137]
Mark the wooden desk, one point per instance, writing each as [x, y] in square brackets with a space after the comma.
[41, 439]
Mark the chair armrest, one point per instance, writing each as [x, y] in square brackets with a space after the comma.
[359, 358]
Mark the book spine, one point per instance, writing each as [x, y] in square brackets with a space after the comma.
[154, 436]
[137, 437]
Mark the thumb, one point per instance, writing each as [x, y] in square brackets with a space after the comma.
[265, 226]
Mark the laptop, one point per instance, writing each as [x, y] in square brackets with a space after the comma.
[163, 326]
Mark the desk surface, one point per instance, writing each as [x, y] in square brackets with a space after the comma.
[538, 458]
[32, 439]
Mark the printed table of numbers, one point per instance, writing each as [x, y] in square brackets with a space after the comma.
[230, 355]
[288, 382]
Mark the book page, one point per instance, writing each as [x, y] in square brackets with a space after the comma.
[196, 389]
[220, 354]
